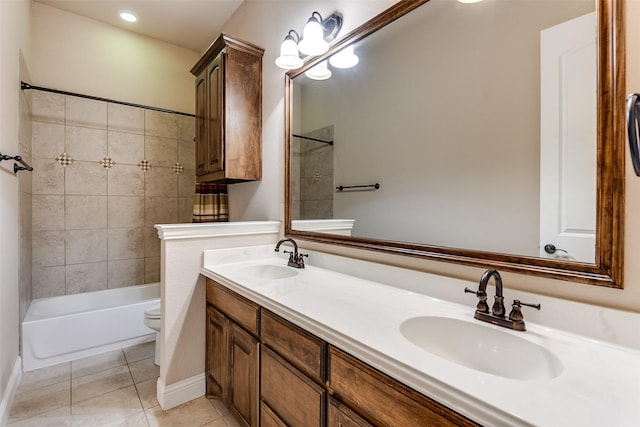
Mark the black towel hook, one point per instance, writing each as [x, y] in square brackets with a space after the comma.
[22, 166]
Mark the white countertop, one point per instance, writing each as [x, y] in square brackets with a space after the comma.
[598, 386]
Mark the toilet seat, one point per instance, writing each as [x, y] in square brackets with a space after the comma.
[152, 312]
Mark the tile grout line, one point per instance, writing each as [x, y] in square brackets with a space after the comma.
[64, 212]
[144, 410]
[135, 386]
[107, 197]
[70, 375]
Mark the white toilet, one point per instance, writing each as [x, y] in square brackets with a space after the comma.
[152, 321]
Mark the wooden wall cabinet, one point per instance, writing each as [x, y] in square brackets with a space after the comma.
[302, 381]
[229, 112]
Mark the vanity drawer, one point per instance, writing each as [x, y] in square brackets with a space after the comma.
[238, 308]
[339, 415]
[370, 392]
[298, 347]
[289, 394]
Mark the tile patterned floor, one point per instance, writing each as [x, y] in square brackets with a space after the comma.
[111, 389]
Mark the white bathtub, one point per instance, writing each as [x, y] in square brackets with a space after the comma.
[70, 327]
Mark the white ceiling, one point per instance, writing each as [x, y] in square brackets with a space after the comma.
[192, 24]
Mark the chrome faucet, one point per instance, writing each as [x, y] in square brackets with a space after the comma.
[515, 320]
[296, 260]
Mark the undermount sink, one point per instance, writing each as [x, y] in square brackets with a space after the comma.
[482, 348]
[267, 271]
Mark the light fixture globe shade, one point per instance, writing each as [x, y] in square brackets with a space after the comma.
[313, 42]
[319, 72]
[345, 58]
[289, 59]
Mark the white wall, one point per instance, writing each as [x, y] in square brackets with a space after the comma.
[265, 199]
[14, 37]
[81, 55]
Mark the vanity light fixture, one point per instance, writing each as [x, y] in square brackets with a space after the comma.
[125, 15]
[313, 42]
[346, 58]
[319, 72]
[289, 58]
[316, 35]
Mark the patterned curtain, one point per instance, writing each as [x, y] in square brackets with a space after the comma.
[210, 204]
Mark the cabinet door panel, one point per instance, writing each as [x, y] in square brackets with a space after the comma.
[215, 115]
[201, 123]
[217, 354]
[294, 398]
[245, 362]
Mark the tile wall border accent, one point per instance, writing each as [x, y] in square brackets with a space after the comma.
[64, 159]
[107, 162]
[144, 165]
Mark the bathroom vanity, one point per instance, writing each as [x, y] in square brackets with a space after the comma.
[266, 368]
[316, 346]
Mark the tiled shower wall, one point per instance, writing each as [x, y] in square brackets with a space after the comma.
[104, 174]
[312, 176]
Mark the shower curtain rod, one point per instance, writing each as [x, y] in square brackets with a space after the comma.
[27, 86]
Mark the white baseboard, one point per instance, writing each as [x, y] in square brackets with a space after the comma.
[172, 395]
[10, 392]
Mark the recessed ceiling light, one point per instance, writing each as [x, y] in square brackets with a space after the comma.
[128, 16]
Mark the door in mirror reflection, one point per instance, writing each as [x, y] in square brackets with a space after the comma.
[568, 139]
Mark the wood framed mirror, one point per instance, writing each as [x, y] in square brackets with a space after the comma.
[604, 264]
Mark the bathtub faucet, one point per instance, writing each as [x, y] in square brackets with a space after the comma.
[296, 260]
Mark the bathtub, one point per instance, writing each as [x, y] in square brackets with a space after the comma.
[70, 327]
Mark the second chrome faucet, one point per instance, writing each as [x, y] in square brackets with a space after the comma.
[497, 315]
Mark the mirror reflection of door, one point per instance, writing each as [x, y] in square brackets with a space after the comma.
[568, 139]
